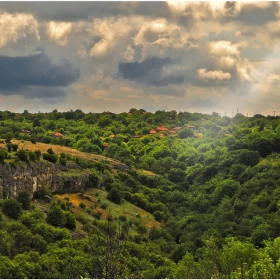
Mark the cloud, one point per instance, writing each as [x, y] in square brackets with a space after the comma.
[218, 76]
[25, 75]
[17, 26]
[223, 48]
[59, 31]
[255, 13]
[204, 103]
[149, 72]
[74, 11]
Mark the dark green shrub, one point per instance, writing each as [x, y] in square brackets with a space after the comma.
[56, 217]
[97, 215]
[70, 220]
[12, 208]
[114, 195]
[38, 154]
[82, 205]
[50, 157]
[104, 206]
[42, 191]
[24, 198]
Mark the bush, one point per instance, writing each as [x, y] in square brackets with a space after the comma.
[50, 151]
[104, 206]
[14, 147]
[70, 220]
[32, 156]
[12, 208]
[24, 199]
[38, 154]
[56, 217]
[50, 157]
[62, 161]
[3, 155]
[23, 155]
[97, 215]
[158, 215]
[82, 205]
[42, 191]
[114, 195]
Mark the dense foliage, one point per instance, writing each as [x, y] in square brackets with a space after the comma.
[213, 186]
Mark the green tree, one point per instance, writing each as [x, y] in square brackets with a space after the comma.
[56, 217]
[70, 220]
[185, 133]
[12, 208]
[36, 123]
[115, 196]
[23, 155]
[38, 154]
[3, 155]
[24, 198]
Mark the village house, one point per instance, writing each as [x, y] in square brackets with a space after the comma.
[58, 134]
[162, 128]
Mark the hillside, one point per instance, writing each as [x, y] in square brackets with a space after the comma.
[196, 196]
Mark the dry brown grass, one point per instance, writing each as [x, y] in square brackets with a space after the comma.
[59, 149]
[127, 209]
[62, 149]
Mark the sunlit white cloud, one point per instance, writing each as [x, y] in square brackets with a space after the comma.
[13, 27]
[159, 55]
[216, 75]
[221, 48]
[59, 31]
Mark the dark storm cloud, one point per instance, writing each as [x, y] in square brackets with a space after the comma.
[79, 10]
[40, 92]
[149, 72]
[57, 11]
[25, 74]
[251, 13]
[204, 103]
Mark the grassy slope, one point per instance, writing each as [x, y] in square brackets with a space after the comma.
[62, 149]
[94, 198]
[127, 209]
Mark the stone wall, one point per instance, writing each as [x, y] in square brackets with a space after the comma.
[22, 176]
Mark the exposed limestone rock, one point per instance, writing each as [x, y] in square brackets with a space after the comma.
[22, 176]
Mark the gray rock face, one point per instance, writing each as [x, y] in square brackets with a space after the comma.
[23, 176]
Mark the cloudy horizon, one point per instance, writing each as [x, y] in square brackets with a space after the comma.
[112, 56]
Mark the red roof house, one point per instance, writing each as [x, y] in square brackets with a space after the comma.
[162, 128]
[153, 131]
[58, 134]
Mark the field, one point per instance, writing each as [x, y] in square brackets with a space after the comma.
[67, 150]
[94, 201]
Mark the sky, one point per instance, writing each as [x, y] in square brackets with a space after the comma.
[201, 57]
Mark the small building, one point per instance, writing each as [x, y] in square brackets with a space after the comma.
[162, 128]
[153, 131]
[112, 136]
[58, 134]
[26, 131]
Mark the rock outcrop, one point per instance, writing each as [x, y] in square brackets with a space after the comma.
[22, 176]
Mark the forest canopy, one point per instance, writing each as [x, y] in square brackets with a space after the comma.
[206, 188]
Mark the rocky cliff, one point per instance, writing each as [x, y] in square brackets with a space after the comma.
[22, 176]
